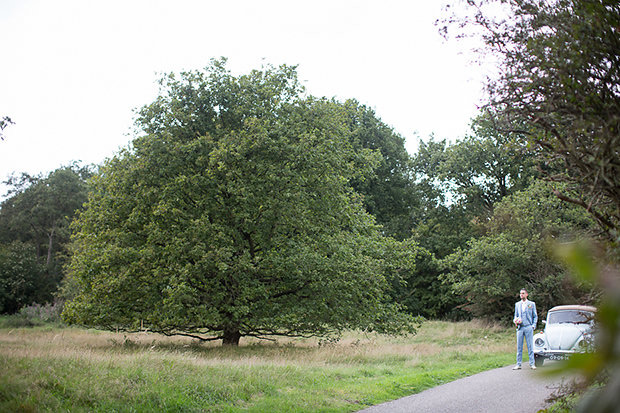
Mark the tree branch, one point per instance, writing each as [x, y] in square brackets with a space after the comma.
[604, 221]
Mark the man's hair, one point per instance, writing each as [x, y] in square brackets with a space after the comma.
[523, 289]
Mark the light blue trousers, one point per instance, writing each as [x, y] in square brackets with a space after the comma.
[528, 332]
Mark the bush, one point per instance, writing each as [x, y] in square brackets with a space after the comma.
[18, 321]
[47, 313]
[34, 315]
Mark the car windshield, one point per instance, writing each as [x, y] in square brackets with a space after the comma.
[570, 316]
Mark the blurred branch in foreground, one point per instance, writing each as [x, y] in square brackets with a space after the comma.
[601, 369]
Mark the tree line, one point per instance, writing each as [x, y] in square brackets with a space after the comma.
[34, 234]
[246, 207]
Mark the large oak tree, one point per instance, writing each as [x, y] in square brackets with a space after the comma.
[232, 215]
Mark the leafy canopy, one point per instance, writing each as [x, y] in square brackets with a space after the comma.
[233, 215]
[34, 232]
[514, 253]
[388, 193]
[22, 277]
[557, 83]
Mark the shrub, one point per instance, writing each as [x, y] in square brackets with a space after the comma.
[47, 313]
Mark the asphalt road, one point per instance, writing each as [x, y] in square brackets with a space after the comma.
[500, 390]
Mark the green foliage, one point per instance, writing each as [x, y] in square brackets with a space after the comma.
[420, 289]
[488, 272]
[461, 183]
[34, 232]
[388, 193]
[45, 313]
[536, 214]
[596, 264]
[486, 166]
[477, 171]
[34, 315]
[459, 186]
[233, 216]
[22, 277]
[558, 84]
[441, 226]
[513, 254]
[39, 209]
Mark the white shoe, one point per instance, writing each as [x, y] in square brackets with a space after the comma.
[533, 367]
[517, 367]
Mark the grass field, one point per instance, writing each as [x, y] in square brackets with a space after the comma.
[54, 369]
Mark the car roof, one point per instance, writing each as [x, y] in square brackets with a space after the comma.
[574, 307]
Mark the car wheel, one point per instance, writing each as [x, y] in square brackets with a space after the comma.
[538, 360]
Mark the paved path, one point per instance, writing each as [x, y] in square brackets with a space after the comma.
[500, 390]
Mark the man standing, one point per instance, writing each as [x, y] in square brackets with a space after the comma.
[525, 320]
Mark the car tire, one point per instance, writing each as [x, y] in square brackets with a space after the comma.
[538, 360]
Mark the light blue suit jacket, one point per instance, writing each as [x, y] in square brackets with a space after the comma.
[528, 317]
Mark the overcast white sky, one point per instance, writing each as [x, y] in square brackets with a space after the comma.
[71, 71]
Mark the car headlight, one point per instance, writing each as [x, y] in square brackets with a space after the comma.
[539, 342]
[586, 343]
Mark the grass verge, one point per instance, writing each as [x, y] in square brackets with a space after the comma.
[52, 369]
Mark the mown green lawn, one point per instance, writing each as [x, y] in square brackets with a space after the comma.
[52, 369]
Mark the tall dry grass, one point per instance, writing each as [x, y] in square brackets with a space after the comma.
[52, 369]
[433, 338]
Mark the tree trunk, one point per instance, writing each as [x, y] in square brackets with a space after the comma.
[49, 248]
[231, 337]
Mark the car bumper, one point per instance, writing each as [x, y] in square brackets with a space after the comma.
[555, 354]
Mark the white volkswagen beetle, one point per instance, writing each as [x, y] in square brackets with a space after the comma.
[568, 329]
